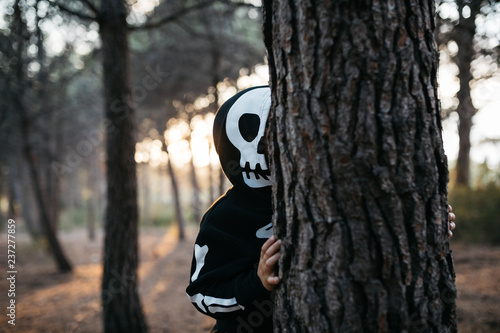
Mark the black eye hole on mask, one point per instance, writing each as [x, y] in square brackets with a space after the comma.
[249, 126]
[261, 147]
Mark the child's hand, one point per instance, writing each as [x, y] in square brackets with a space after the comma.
[451, 218]
[269, 256]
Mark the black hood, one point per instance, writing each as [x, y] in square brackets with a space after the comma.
[239, 140]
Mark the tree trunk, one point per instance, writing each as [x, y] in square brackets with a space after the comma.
[25, 127]
[222, 180]
[146, 193]
[91, 217]
[196, 202]
[3, 184]
[13, 191]
[214, 106]
[22, 195]
[50, 183]
[463, 35]
[50, 233]
[361, 177]
[122, 310]
[211, 183]
[175, 194]
[30, 212]
[92, 200]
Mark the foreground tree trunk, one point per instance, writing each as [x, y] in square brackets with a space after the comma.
[121, 306]
[361, 176]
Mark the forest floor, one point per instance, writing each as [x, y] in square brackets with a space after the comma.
[47, 301]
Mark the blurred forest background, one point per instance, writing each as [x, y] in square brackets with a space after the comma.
[181, 72]
[186, 59]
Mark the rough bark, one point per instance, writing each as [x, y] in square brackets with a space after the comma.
[120, 300]
[463, 35]
[355, 148]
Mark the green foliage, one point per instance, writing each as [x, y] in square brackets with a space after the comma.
[478, 214]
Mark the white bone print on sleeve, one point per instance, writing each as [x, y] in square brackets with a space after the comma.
[200, 252]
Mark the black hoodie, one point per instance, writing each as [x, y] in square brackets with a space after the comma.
[224, 282]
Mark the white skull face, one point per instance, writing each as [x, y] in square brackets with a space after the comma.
[250, 112]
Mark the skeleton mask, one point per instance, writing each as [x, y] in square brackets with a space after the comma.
[250, 112]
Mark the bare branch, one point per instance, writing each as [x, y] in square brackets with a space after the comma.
[491, 140]
[172, 17]
[91, 6]
[189, 30]
[68, 10]
[239, 4]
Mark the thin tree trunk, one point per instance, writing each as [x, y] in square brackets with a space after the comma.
[222, 180]
[50, 183]
[173, 182]
[146, 188]
[29, 208]
[361, 177]
[216, 64]
[176, 196]
[55, 181]
[196, 203]
[17, 97]
[122, 310]
[211, 182]
[215, 106]
[92, 200]
[464, 37]
[222, 177]
[3, 184]
[73, 193]
[91, 217]
[55, 247]
[13, 192]
[20, 194]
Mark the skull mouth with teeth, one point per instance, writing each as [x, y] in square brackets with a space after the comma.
[244, 128]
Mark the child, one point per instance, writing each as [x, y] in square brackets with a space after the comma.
[234, 266]
[225, 283]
